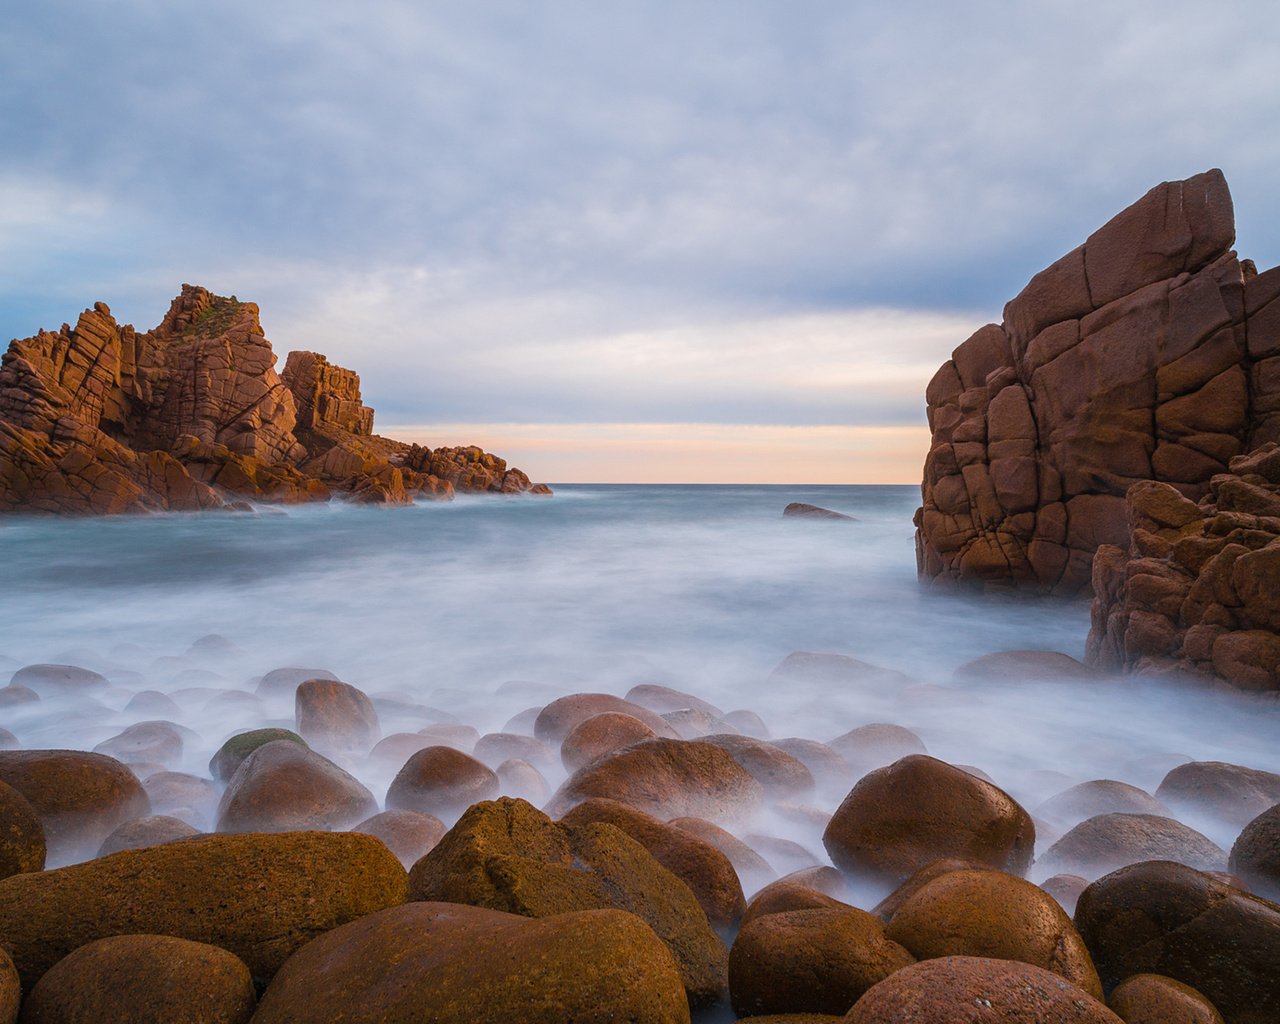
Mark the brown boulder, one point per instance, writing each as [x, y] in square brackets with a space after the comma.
[258, 896]
[59, 680]
[147, 831]
[335, 716]
[778, 772]
[1098, 796]
[1255, 856]
[668, 779]
[752, 869]
[139, 979]
[10, 989]
[827, 765]
[601, 734]
[663, 699]
[1066, 889]
[520, 778]
[454, 964]
[189, 797]
[803, 510]
[555, 721]
[79, 797]
[992, 914]
[888, 906]
[495, 747]
[145, 743]
[1153, 999]
[1164, 918]
[284, 787]
[408, 834]
[1229, 793]
[398, 747]
[508, 856]
[790, 893]
[22, 846]
[1023, 667]
[284, 682]
[224, 763]
[816, 961]
[977, 990]
[701, 866]
[876, 745]
[1110, 841]
[441, 781]
[919, 809]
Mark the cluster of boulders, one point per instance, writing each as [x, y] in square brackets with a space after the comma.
[100, 418]
[282, 886]
[1148, 353]
[1197, 589]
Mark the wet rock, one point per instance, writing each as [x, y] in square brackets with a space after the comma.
[1098, 796]
[1024, 667]
[1066, 889]
[668, 779]
[692, 723]
[189, 797]
[232, 753]
[452, 734]
[1255, 856]
[791, 893]
[1228, 793]
[495, 747]
[803, 510]
[827, 765]
[145, 743]
[888, 906]
[1152, 999]
[441, 781]
[975, 990]
[152, 703]
[522, 723]
[79, 797]
[408, 834]
[1110, 841]
[992, 914]
[480, 966]
[784, 854]
[752, 869]
[663, 700]
[919, 809]
[284, 682]
[259, 896]
[132, 979]
[506, 855]
[284, 787]
[1164, 918]
[400, 746]
[778, 772]
[10, 989]
[59, 680]
[818, 961]
[601, 734]
[151, 830]
[747, 722]
[876, 745]
[557, 719]
[335, 716]
[520, 778]
[22, 845]
[707, 872]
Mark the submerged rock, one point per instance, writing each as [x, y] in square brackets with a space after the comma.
[803, 510]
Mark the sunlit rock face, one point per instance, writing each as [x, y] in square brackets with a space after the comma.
[100, 418]
[1148, 353]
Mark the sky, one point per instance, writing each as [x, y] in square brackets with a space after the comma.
[614, 241]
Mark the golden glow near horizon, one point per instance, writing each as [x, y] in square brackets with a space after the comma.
[708, 453]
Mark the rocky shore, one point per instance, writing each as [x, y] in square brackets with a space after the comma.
[362, 856]
[100, 419]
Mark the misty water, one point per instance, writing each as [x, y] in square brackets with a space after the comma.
[476, 610]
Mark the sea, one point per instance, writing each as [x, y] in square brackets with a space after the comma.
[481, 608]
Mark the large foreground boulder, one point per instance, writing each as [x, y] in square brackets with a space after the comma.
[1148, 353]
[22, 845]
[506, 855]
[454, 964]
[258, 896]
[1169, 919]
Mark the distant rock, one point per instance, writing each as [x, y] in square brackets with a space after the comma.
[192, 415]
[806, 511]
[1151, 352]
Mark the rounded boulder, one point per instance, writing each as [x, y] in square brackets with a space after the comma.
[408, 834]
[224, 763]
[335, 716]
[1255, 855]
[557, 719]
[442, 781]
[22, 846]
[1110, 841]
[282, 787]
[599, 735]
[150, 830]
[1154, 999]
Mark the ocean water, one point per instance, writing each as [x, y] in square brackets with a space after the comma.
[481, 608]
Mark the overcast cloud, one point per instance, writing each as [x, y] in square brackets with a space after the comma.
[685, 212]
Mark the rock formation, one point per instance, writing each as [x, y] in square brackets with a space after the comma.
[1148, 353]
[1196, 589]
[100, 418]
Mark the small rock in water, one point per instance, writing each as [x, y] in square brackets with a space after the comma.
[806, 511]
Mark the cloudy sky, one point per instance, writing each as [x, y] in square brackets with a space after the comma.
[614, 240]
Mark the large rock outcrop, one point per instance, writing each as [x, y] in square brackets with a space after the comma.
[1148, 353]
[1196, 588]
[100, 418]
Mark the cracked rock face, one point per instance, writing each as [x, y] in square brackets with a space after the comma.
[1148, 353]
[99, 418]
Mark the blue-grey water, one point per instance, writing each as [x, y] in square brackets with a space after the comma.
[484, 607]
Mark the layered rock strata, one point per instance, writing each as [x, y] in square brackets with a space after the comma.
[1197, 587]
[99, 418]
[1150, 352]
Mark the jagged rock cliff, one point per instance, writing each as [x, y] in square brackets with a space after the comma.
[192, 415]
[1197, 588]
[1148, 353]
